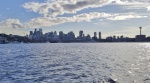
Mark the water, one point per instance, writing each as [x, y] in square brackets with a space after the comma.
[75, 63]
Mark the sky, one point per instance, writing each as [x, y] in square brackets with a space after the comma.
[110, 17]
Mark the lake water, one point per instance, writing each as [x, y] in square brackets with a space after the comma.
[75, 62]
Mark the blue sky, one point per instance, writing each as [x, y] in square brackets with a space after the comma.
[111, 17]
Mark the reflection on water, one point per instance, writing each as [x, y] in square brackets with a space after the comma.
[75, 63]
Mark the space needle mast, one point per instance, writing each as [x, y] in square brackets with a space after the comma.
[140, 30]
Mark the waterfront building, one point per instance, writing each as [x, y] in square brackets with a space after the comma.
[148, 39]
[81, 34]
[109, 39]
[140, 38]
[88, 37]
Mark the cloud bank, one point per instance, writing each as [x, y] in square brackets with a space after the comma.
[61, 7]
[125, 17]
[11, 23]
[51, 9]
[50, 21]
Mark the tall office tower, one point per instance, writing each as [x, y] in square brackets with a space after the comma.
[100, 36]
[95, 34]
[61, 34]
[31, 35]
[35, 31]
[72, 35]
[31, 32]
[81, 34]
[40, 32]
[51, 34]
[55, 33]
[38, 35]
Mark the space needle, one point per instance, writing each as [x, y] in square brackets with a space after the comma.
[140, 30]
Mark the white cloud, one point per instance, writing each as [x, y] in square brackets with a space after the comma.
[134, 4]
[52, 8]
[148, 8]
[11, 23]
[119, 1]
[60, 7]
[104, 24]
[49, 21]
[126, 17]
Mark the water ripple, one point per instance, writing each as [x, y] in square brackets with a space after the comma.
[75, 63]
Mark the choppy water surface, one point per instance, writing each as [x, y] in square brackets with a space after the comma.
[75, 63]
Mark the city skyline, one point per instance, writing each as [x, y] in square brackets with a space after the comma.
[81, 33]
[53, 36]
[111, 17]
[37, 36]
